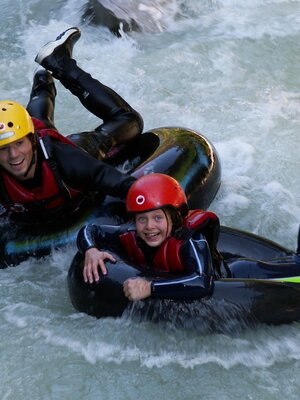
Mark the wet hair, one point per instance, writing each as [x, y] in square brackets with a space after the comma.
[178, 230]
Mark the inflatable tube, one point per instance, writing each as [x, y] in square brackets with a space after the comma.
[259, 291]
[235, 243]
[182, 153]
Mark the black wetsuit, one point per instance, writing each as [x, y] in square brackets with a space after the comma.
[76, 168]
[198, 280]
[120, 122]
[90, 175]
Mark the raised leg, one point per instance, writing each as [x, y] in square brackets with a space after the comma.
[121, 122]
[42, 98]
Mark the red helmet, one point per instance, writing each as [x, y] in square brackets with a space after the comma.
[156, 191]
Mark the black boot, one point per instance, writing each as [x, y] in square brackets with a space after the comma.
[96, 144]
[42, 97]
[52, 56]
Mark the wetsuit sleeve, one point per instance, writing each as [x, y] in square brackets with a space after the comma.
[98, 236]
[199, 283]
[81, 171]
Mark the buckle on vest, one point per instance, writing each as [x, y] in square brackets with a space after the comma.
[18, 208]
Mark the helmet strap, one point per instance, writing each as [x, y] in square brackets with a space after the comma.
[33, 158]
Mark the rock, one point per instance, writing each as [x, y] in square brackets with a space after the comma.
[134, 15]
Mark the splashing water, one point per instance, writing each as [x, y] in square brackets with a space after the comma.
[228, 69]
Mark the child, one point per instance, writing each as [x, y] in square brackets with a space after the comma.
[164, 236]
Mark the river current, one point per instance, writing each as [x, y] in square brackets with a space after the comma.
[228, 69]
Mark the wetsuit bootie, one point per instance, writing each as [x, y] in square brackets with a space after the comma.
[42, 97]
[52, 56]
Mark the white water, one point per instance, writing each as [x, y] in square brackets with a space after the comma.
[229, 69]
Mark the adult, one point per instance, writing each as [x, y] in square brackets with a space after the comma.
[44, 174]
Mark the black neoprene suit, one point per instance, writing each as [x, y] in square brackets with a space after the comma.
[196, 282]
[121, 123]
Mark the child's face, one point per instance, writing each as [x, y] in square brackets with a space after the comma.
[153, 226]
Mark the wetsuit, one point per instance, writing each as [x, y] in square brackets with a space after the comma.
[75, 170]
[196, 268]
[121, 123]
[78, 171]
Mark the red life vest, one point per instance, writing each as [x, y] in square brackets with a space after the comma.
[167, 258]
[52, 194]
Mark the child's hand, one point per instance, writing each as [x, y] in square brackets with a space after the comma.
[137, 289]
[94, 259]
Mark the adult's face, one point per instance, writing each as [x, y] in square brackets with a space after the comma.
[153, 226]
[16, 158]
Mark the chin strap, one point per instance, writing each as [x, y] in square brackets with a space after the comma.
[33, 158]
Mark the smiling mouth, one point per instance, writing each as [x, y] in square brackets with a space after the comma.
[16, 163]
[151, 235]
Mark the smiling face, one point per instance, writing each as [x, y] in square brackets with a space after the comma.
[16, 158]
[153, 226]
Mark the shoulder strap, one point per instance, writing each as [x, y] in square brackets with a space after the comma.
[46, 146]
[197, 218]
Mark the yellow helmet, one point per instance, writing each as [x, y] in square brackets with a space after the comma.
[15, 122]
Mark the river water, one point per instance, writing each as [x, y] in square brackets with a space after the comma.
[229, 69]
